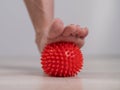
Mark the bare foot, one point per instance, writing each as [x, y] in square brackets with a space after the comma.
[57, 32]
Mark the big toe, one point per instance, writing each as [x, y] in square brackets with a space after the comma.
[56, 28]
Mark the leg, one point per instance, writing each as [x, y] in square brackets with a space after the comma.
[49, 30]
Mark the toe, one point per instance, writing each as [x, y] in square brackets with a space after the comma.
[56, 28]
[85, 31]
[82, 32]
[69, 30]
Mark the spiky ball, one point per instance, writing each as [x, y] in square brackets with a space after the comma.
[61, 59]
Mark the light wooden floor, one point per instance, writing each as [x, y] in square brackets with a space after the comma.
[24, 73]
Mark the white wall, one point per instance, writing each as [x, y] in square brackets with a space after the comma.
[16, 30]
[101, 16]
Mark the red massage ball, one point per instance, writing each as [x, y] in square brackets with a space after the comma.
[62, 59]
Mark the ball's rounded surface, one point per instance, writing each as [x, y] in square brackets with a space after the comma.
[62, 59]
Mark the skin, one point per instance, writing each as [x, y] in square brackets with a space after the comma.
[49, 29]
